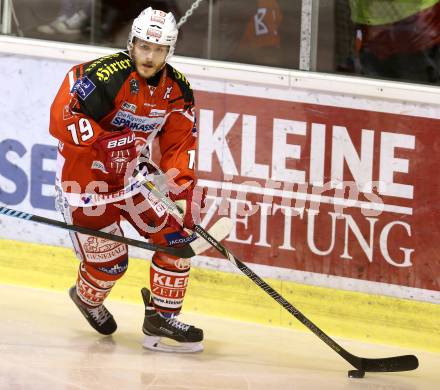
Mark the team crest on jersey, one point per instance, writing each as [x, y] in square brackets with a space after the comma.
[129, 107]
[134, 86]
[83, 87]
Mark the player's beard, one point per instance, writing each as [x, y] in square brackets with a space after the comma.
[147, 69]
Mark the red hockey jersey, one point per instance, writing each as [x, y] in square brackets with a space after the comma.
[108, 95]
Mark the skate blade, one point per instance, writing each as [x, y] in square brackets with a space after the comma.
[157, 343]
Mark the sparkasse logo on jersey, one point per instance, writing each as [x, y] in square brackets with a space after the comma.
[178, 238]
[135, 122]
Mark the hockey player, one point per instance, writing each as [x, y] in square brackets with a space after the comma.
[105, 115]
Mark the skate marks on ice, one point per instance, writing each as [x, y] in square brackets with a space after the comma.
[46, 344]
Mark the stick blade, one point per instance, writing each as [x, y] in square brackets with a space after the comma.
[391, 364]
[220, 230]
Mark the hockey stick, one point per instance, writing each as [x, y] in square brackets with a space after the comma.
[389, 364]
[395, 363]
[194, 248]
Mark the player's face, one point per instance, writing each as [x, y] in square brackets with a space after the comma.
[148, 57]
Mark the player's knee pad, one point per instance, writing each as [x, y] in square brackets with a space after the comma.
[168, 281]
[171, 263]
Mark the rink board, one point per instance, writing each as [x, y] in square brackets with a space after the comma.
[352, 315]
[325, 187]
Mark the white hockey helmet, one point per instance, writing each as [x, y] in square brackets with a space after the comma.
[155, 26]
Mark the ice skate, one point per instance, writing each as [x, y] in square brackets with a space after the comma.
[168, 334]
[98, 317]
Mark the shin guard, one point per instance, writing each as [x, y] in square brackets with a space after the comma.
[168, 282]
[95, 283]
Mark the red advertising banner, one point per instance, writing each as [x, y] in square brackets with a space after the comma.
[336, 191]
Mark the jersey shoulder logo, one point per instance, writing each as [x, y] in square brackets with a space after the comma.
[105, 68]
[83, 87]
[106, 76]
[105, 72]
[98, 62]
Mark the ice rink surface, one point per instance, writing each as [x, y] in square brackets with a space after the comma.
[45, 343]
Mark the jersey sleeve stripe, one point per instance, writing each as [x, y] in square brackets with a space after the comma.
[71, 80]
